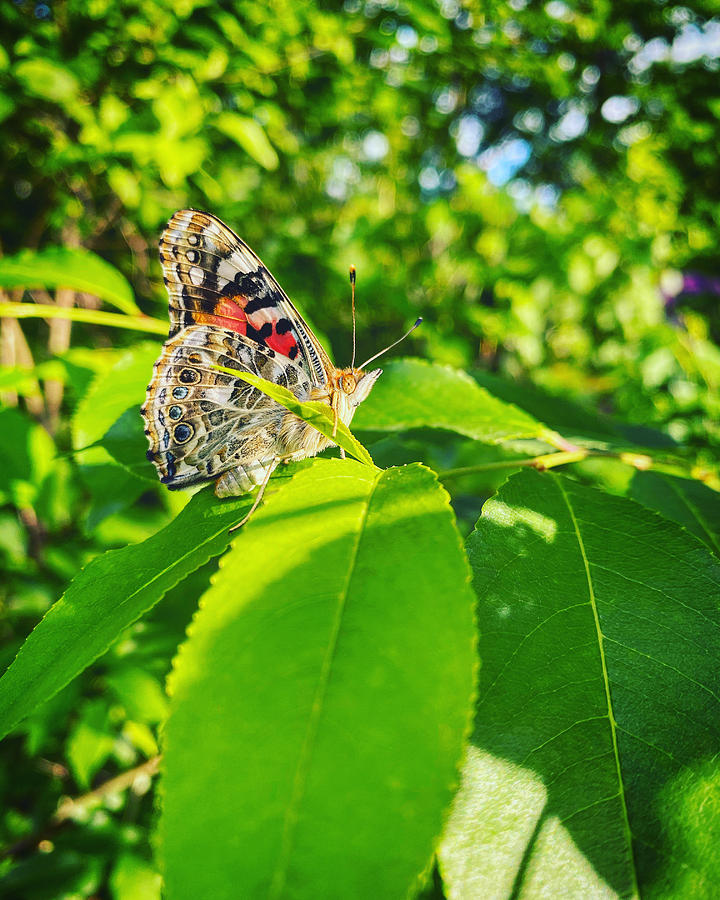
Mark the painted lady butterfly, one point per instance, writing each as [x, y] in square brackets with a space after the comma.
[226, 309]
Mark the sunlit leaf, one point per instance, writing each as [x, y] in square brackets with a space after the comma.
[249, 135]
[412, 393]
[68, 267]
[328, 677]
[597, 721]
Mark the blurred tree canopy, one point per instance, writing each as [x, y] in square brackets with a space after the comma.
[538, 180]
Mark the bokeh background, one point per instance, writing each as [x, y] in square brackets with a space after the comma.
[538, 180]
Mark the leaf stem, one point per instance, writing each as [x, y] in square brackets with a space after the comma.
[77, 314]
[542, 462]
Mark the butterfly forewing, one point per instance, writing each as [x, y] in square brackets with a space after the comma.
[214, 278]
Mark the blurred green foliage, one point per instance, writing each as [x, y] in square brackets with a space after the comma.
[538, 181]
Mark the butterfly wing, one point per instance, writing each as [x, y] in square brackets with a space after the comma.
[214, 278]
[201, 422]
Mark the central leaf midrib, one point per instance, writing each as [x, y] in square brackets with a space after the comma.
[277, 882]
[606, 678]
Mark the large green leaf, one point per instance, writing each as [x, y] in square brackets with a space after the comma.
[69, 267]
[596, 742]
[412, 393]
[573, 420]
[112, 592]
[319, 706]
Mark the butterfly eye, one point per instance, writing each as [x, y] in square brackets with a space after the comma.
[348, 383]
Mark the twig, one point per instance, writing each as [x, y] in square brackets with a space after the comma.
[15, 351]
[541, 462]
[69, 808]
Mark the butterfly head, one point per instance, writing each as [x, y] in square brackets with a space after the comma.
[350, 387]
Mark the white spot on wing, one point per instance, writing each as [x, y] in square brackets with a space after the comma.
[196, 275]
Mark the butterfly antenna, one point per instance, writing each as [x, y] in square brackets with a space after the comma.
[352, 288]
[394, 344]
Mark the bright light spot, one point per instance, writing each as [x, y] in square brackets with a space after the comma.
[590, 75]
[429, 178]
[693, 43]
[375, 146]
[446, 100]
[556, 9]
[399, 54]
[531, 120]
[617, 109]
[571, 125]
[470, 132]
[407, 37]
[449, 8]
[510, 516]
[503, 160]
[631, 134]
[410, 126]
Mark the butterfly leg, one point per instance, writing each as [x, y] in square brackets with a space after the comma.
[258, 498]
[336, 415]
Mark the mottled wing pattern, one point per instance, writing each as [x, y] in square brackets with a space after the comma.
[214, 278]
[202, 423]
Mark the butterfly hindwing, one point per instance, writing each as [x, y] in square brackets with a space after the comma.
[214, 278]
[202, 422]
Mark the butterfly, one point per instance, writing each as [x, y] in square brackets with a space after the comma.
[227, 310]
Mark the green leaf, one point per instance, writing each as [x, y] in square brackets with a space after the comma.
[328, 677]
[595, 746]
[109, 594]
[249, 135]
[126, 442]
[575, 421]
[412, 393]
[112, 392]
[684, 500]
[68, 267]
[91, 741]
[133, 878]
[48, 80]
[316, 413]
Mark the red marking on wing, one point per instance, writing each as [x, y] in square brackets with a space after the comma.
[282, 343]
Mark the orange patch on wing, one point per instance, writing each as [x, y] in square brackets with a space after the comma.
[229, 313]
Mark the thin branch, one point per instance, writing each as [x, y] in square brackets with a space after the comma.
[137, 779]
[71, 807]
